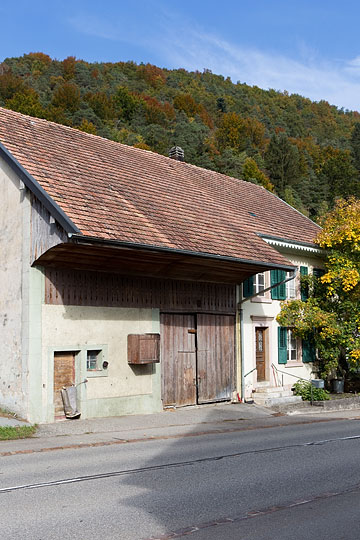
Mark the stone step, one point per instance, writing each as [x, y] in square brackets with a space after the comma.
[261, 384]
[278, 393]
[267, 401]
[270, 389]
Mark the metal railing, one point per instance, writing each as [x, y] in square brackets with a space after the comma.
[291, 374]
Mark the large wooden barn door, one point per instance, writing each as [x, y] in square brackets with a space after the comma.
[197, 356]
[215, 357]
[64, 375]
[178, 351]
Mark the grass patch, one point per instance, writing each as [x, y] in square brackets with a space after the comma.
[8, 433]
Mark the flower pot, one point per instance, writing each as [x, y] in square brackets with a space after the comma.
[337, 386]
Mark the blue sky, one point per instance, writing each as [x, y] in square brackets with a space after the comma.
[306, 47]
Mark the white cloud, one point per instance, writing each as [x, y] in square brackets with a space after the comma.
[336, 82]
[183, 44]
[93, 26]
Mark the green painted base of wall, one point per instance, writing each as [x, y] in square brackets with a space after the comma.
[121, 406]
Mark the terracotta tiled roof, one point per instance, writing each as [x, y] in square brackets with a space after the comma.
[113, 191]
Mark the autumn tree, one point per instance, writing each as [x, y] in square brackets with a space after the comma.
[240, 133]
[331, 315]
[252, 173]
[67, 97]
[27, 102]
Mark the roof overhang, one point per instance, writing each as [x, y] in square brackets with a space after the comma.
[139, 260]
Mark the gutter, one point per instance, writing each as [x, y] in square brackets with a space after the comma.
[39, 192]
[241, 313]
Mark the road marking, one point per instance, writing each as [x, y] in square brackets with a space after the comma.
[139, 470]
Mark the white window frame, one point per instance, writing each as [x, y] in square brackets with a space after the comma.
[259, 284]
[290, 287]
[101, 361]
[292, 347]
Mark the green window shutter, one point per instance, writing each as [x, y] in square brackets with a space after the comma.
[248, 287]
[308, 350]
[282, 345]
[304, 287]
[279, 293]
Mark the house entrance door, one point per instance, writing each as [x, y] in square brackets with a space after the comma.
[64, 375]
[260, 353]
[197, 356]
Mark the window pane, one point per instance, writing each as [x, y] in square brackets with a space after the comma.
[260, 283]
[91, 360]
[291, 346]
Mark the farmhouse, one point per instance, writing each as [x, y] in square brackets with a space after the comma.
[122, 272]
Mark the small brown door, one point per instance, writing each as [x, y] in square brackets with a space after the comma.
[215, 357]
[64, 375]
[260, 353]
[178, 352]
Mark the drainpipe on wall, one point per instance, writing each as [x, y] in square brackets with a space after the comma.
[241, 313]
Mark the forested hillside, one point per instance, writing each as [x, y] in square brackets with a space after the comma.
[308, 153]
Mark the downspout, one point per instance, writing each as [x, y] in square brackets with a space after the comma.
[241, 313]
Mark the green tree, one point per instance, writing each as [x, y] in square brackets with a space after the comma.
[282, 162]
[340, 175]
[355, 146]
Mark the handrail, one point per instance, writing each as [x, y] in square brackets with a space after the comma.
[291, 374]
[254, 369]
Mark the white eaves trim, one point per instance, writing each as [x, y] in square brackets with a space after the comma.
[294, 246]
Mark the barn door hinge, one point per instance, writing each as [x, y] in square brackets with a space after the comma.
[192, 331]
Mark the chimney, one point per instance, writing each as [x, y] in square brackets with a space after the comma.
[177, 153]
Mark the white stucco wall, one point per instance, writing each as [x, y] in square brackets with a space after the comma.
[121, 389]
[263, 313]
[14, 209]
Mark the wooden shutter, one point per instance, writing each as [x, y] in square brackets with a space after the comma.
[248, 287]
[308, 350]
[282, 345]
[143, 348]
[279, 293]
[304, 286]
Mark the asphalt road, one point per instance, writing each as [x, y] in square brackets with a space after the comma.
[283, 483]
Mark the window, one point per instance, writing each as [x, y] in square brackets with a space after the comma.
[256, 285]
[287, 346]
[291, 346]
[259, 284]
[93, 360]
[290, 286]
[96, 361]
